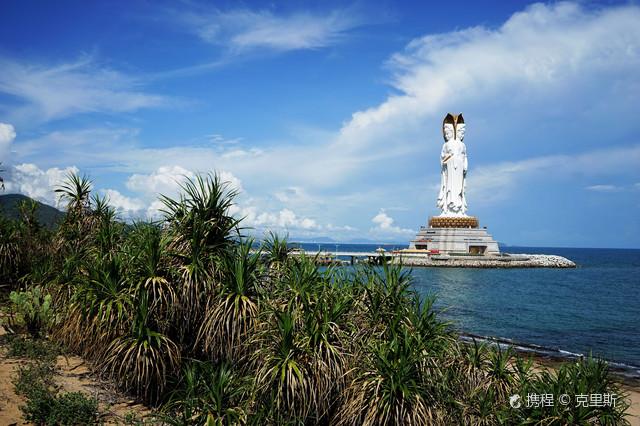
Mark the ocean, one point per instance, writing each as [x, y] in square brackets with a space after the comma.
[594, 308]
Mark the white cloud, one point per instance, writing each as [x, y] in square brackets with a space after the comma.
[233, 182]
[128, 207]
[218, 139]
[290, 193]
[603, 188]
[7, 135]
[165, 180]
[30, 180]
[535, 59]
[51, 92]
[241, 30]
[103, 147]
[385, 225]
[382, 220]
[34, 182]
[284, 219]
[494, 182]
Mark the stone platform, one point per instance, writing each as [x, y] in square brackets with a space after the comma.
[451, 235]
[413, 258]
[453, 222]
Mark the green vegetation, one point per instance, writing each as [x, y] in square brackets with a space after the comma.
[186, 315]
[42, 349]
[34, 308]
[45, 405]
[48, 216]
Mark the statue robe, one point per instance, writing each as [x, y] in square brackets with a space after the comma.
[451, 199]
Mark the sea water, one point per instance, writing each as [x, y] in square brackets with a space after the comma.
[594, 308]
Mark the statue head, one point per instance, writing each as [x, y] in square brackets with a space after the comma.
[455, 122]
[448, 127]
[460, 131]
[448, 131]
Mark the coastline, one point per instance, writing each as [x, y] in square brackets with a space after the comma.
[625, 373]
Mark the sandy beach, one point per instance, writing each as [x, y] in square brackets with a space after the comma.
[634, 410]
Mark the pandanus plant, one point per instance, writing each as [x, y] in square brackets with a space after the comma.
[9, 249]
[602, 401]
[76, 191]
[206, 393]
[389, 384]
[300, 352]
[232, 310]
[276, 252]
[201, 231]
[398, 372]
[284, 383]
[149, 267]
[100, 309]
[142, 359]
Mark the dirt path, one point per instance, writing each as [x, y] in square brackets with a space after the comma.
[73, 376]
[9, 402]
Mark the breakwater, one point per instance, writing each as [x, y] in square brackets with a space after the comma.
[503, 261]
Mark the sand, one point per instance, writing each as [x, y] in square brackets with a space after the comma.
[633, 413]
[73, 376]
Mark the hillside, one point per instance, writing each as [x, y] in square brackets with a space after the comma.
[47, 215]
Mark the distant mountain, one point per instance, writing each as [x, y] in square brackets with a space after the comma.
[48, 216]
[369, 241]
[326, 240]
[312, 239]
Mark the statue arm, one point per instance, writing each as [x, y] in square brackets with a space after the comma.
[444, 155]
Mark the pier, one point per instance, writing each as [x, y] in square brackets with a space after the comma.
[353, 256]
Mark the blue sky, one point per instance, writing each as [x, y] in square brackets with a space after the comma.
[327, 115]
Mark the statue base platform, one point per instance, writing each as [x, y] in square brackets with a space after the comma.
[462, 236]
[453, 222]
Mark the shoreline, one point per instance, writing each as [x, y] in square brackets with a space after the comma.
[627, 374]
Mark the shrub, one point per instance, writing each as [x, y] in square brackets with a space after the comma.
[34, 379]
[37, 349]
[69, 408]
[44, 405]
[34, 307]
[206, 394]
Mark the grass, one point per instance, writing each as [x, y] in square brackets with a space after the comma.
[23, 347]
[65, 409]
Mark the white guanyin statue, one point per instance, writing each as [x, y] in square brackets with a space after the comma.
[453, 159]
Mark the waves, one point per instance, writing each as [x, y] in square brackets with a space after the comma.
[627, 370]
